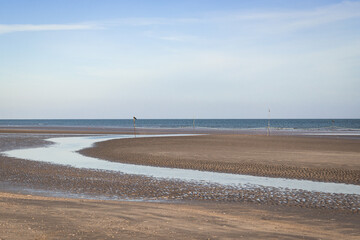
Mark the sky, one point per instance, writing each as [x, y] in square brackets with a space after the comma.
[179, 59]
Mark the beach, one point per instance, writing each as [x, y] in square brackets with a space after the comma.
[49, 201]
[179, 119]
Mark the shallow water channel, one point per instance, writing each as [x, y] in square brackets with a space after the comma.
[64, 152]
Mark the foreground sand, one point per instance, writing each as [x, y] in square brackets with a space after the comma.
[33, 217]
[313, 158]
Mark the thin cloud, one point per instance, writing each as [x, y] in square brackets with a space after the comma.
[301, 18]
[154, 21]
[294, 19]
[286, 20]
[263, 21]
[9, 28]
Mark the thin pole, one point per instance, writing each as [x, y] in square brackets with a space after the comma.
[268, 127]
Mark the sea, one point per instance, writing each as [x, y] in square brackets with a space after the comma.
[286, 124]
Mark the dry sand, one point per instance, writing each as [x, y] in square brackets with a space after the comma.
[196, 216]
[33, 217]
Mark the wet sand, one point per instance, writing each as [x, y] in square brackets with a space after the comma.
[312, 158]
[186, 210]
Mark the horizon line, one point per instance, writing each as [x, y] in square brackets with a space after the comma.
[9, 119]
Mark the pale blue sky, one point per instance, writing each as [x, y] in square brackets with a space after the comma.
[179, 59]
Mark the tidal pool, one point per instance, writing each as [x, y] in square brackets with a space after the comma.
[64, 152]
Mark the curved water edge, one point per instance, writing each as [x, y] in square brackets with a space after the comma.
[64, 152]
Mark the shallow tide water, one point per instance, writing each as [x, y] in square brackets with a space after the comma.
[64, 152]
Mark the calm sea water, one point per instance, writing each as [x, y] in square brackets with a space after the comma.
[199, 123]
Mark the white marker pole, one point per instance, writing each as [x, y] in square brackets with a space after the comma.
[268, 127]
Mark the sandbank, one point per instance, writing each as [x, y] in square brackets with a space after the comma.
[312, 158]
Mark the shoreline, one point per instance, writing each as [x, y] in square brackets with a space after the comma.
[343, 133]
